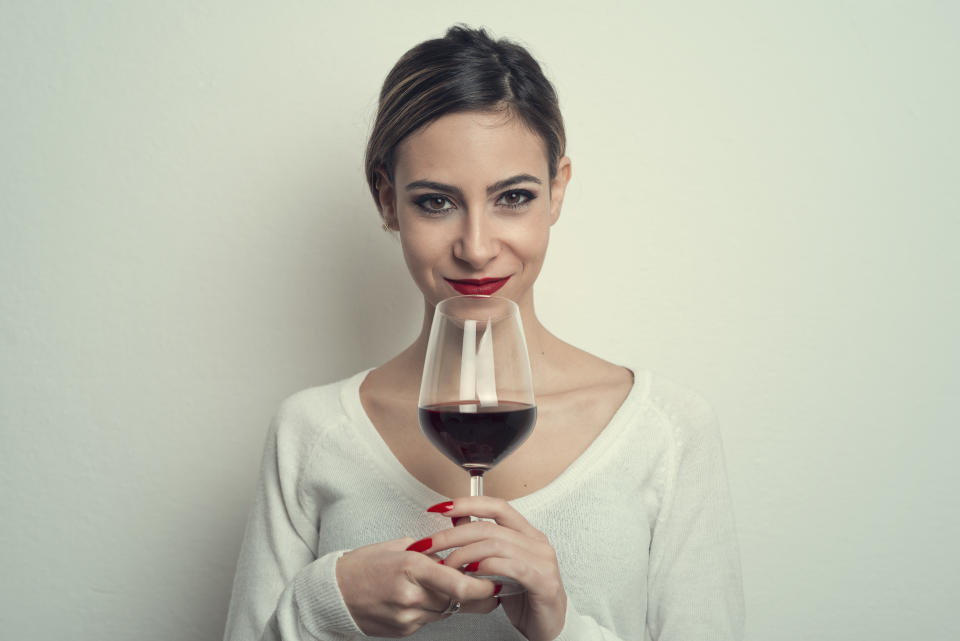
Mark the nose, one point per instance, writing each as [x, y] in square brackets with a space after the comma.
[477, 243]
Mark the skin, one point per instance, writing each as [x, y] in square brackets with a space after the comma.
[477, 227]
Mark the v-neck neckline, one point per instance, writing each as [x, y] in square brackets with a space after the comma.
[421, 494]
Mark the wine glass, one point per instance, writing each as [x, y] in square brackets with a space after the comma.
[476, 396]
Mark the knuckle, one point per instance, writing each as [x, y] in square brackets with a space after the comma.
[408, 563]
[522, 574]
[551, 556]
[399, 630]
[407, 617]
[407, 596]
[530, 575]
[483, 527]
[461, 591]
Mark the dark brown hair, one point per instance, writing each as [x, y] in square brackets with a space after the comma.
[466, 70]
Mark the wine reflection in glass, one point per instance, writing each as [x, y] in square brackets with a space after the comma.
[476, 396]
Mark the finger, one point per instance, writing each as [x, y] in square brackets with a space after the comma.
[395, 544]
[538, 579]
[465, 557]
[469, 558]
[435, 604]
[442, 584]
[421, 596]
[476, 606]
[469, 533]
[487, 507]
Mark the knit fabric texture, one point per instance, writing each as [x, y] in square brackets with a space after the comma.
[641, 523]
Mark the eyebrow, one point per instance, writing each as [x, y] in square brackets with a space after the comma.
[511, 181]
[495, 187]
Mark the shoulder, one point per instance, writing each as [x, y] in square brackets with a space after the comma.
[676, 400]
[302, 418]
[312, 402]
[686, 413]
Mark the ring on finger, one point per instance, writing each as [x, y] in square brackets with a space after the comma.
[452, 608]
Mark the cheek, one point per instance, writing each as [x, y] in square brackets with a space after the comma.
[412, 255]
[531, 241]
[419, 253]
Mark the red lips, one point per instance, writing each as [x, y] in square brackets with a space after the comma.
[478, 286]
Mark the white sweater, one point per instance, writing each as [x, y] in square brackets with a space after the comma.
[641, 523]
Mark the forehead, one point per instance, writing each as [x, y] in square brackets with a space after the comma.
[480, 144]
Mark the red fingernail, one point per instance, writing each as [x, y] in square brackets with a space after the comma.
[472, 567]
[421, 545]
[446, 506]
[442, 563]
[496, 589]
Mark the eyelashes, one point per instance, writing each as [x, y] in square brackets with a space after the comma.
[440, 204]
[434, 204]
[516, 198]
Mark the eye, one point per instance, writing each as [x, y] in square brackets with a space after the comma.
[434, 203]
[515, 198]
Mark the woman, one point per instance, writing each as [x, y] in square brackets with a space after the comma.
[618, 522]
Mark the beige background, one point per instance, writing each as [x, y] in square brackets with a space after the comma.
[764, 207]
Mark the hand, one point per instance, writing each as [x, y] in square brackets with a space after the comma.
[391, 592]
[510, 547]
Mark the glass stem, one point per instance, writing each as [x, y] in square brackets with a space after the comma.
[476, 487]
[476, 482]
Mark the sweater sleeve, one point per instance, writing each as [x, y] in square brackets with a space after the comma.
[694, 582]
[282, 591]
[580, 627]
[694, 586]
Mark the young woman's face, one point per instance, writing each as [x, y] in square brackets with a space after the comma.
[473, 202]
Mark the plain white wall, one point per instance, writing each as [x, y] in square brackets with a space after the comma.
[764, 207]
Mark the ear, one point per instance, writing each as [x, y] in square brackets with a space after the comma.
[387, 199]
[558, 187]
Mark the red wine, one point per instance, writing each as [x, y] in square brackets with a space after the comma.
[477, 440]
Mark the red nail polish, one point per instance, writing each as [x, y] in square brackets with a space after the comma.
[496, 589]
[472, 567]
[442, 563]
[446, 506]
[421, 545]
